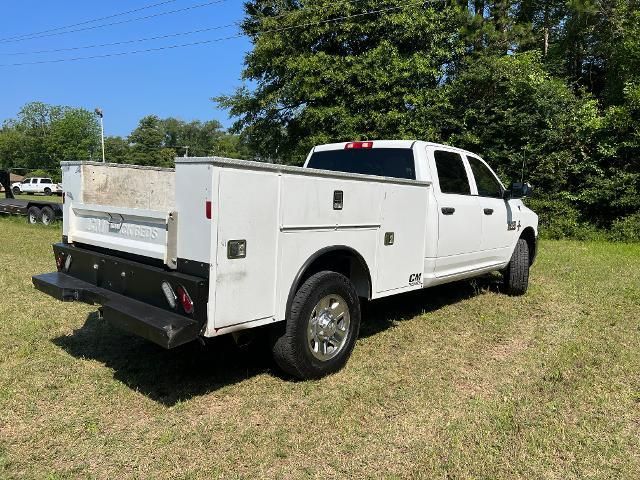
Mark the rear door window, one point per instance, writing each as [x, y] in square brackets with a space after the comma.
[45, 180]
[452, 175]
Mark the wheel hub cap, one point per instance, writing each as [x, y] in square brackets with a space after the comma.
[328, 327]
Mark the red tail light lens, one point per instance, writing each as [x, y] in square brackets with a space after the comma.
[207, 209]
[185, 300]
[353, 145]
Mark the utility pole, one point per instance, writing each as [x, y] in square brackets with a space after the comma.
[99, 112]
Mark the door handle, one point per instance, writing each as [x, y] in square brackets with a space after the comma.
[448, 210]
[488, 211]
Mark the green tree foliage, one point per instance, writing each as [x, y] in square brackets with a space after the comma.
[147, 144]
[512, 110]
[43, 135]
[339, 80]
[157, 141]
[551, 82]
[117, 150]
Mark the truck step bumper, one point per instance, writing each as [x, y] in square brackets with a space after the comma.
[160, 326]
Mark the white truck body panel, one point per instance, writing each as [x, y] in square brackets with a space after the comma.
[287, 217]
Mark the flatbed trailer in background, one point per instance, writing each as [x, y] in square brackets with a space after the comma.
[36, 211]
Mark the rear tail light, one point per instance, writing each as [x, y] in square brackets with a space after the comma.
[354, 145]
[169, 294]
[60, 261]
[207, 209]
[185, 300]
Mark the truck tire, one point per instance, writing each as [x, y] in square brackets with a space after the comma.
[516, 275]
[33, 215]
[47, 192]
[321, 328]
[47, 216]
[16, 191]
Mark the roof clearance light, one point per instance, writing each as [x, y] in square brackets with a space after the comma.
[354, 145]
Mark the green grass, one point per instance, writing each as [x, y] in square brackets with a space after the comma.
[454, 382]
[41, 198]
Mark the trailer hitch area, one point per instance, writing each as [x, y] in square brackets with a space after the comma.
[70, 296]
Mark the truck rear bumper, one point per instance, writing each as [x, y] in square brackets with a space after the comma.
[160, 326]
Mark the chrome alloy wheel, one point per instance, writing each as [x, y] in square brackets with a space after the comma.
[328, 327]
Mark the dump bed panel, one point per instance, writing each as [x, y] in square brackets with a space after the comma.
[122, 208]
[128, 186]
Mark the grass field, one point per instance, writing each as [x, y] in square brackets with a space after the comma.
[41, 198]
[454, 382]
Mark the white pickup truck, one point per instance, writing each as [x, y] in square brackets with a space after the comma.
[220, 246]
[36, 185]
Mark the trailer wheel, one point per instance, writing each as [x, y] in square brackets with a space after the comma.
[321, 328]
[33, 215]
[47, 216]
[16, 191]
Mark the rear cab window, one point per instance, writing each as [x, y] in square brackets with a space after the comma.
[382, 162]
[452, 175]
[45, 180]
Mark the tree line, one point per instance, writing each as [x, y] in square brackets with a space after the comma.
[41, 136]
[551, 84]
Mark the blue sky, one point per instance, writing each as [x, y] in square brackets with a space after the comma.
[178, 82]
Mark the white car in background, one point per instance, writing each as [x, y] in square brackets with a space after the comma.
[37, 185]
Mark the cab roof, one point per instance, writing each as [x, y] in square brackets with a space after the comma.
[389, 144]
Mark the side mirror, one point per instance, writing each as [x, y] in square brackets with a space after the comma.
[518, 190]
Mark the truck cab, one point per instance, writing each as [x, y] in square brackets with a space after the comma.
[474, 221]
